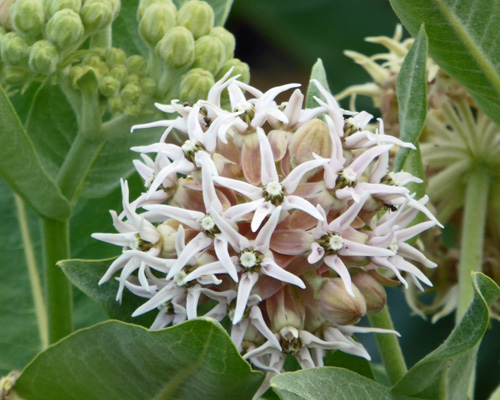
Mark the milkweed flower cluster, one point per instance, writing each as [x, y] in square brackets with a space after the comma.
[285, 220]
[457, 137]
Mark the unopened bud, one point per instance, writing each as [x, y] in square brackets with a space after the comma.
[14, 49]
[209, 54]
[96, 15]
[197, 16]
[27, 17]
[312, 137]
[134, 79]
[65, 29]
[227, 39]
[239, 68]
[285, 310]
[144, 4]
[130, 93]
[195, 85]
[133, 109]
[339, 307]
[53, 6]
[372, 291]
[14, 75]
[168, 232]
[136, 65]
[120, 73]
[115, 57]
[148, 87]
[157, 20]
[176, 48]
[116, 103]
[109, 86]
[75, 73]
[44, 57]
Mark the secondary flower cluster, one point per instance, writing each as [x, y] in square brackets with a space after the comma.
[286, 220]
[457, 139]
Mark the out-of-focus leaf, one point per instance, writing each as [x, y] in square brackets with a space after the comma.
[328, 383]
[350, 362]
[445, 373]
[412, 95]
[85, 274]
[318, 72]
[19, 335]
[464, 40]
[22, 170]
[115, 360]
[125, 30]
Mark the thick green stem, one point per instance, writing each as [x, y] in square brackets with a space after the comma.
[388, 346]
[34, 275]
[472, 240]
[59, 298]
[77, 164]
[102, 39]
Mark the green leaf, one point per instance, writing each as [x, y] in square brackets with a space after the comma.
[115, 360]
[445, 373]
[221, 10]
[125, 30]
[464, 40]
[329, 383]
[318, 73]
[350, 362]
[19, 334]
[85, 275]
[52, 126]
[412, 95]
[22, 169]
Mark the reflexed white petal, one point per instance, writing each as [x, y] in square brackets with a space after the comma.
[317, 253]
[264, 236]
[268, 169]
[293, 179]
[260, 214]
[270, 268]
[354, 249]
[335, 263]
[246, 189]
[190, 218]
[247, 282]
[235, 212]
[257, 319]
[192, 299]
[199, 243]
[230, 235]
[220, 246]
[295, 202]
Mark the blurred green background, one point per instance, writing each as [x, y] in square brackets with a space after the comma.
[281, 40]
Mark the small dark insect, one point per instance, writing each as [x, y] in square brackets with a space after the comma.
[391, 207]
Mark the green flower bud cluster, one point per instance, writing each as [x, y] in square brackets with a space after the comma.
[190, 53]
[45, 33]
[123, 83]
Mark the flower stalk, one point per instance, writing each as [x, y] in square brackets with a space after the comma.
[388, 346]
[55, 236]
[472, 241]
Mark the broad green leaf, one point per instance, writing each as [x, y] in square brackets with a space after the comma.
[464, 40]
[19, 332]
[51, 125]
[445, 373]
[412, 95]
[221, 10]
[115, 360]
[329, 383]
[318, 73]
[85, 274]
[350, 362]
[22, 170]
[125, 30]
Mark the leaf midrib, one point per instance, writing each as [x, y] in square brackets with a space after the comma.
[483, 62]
